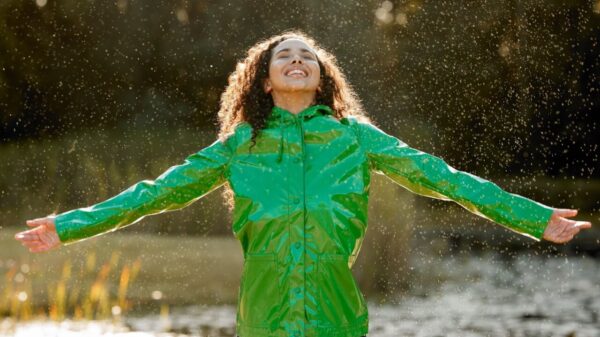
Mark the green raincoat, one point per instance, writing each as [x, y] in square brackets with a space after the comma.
[300, 213]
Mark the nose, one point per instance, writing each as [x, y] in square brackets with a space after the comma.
[297, 59]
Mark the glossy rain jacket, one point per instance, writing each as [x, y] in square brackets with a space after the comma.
[300, 212]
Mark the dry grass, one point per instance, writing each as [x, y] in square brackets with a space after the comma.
[110, 275]
[66, 294]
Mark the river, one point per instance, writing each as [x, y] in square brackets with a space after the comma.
[488, 294]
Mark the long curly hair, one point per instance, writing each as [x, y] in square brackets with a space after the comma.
[244, 99]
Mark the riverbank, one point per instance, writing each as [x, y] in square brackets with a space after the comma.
[485, 295]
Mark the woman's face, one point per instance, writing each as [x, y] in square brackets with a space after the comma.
[293, 68]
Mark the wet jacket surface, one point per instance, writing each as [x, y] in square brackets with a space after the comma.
[301, 200]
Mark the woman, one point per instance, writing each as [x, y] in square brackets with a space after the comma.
[295, 152]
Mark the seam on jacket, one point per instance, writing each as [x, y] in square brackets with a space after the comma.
[354, 124]
[227, 143]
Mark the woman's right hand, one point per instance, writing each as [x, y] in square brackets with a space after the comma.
[41, 238]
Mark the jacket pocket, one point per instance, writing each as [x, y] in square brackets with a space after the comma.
[340, 301]
[259, 291]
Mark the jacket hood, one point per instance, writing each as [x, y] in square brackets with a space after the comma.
[283, 117]
[283, 114]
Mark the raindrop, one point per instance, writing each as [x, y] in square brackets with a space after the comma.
[19, 278]
[22, 296]
[157, 294]
[116, 310]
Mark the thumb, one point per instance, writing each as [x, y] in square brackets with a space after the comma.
[36, 222]
[566, 212]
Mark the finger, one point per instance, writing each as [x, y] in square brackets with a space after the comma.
[31, 243]
[35, 245]
[30, 240]
[39, 231]
[38, 250]
[35, 222]
[27, 237]
[32, 232]
[583, 224]
[566, 212]
[578, 225]
[576, 228]
[36, 230]
[22, 234]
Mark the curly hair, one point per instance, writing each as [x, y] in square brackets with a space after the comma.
[244, 99]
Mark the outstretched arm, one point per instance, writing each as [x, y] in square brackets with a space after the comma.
[431, 176]
[177, 187]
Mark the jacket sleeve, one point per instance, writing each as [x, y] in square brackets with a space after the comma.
[177, 187]
[431, 176]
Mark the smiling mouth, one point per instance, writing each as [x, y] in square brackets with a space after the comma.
[296, 73]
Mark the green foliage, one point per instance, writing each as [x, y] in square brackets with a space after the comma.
[520, 76]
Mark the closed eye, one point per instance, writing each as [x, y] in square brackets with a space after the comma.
[307, 56]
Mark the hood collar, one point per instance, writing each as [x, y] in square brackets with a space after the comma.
[282, 115]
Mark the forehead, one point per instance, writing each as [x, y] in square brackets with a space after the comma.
[293, 43]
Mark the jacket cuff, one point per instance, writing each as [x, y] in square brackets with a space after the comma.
[63, 223]
[541, 215]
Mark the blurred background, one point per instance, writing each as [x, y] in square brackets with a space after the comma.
[98, 95]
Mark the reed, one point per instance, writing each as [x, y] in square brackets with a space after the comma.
[68, 294]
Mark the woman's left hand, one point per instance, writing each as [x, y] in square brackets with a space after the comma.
[560, 229]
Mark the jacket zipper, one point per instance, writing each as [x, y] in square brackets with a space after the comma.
[301, 119]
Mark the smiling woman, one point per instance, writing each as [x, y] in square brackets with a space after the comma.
[294, 69]
[295, 153]
[294, 75]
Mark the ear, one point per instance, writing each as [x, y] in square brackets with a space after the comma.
[267, 86]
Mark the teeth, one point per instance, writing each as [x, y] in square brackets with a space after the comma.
[296, 72]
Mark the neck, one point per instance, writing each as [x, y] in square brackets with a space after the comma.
[294, 102]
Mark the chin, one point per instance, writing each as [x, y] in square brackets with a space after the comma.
[300, 88]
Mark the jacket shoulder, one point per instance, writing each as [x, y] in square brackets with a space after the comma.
[241, 132]
[356, 123]
[349, 120]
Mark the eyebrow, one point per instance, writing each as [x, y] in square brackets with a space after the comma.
[302, 49]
